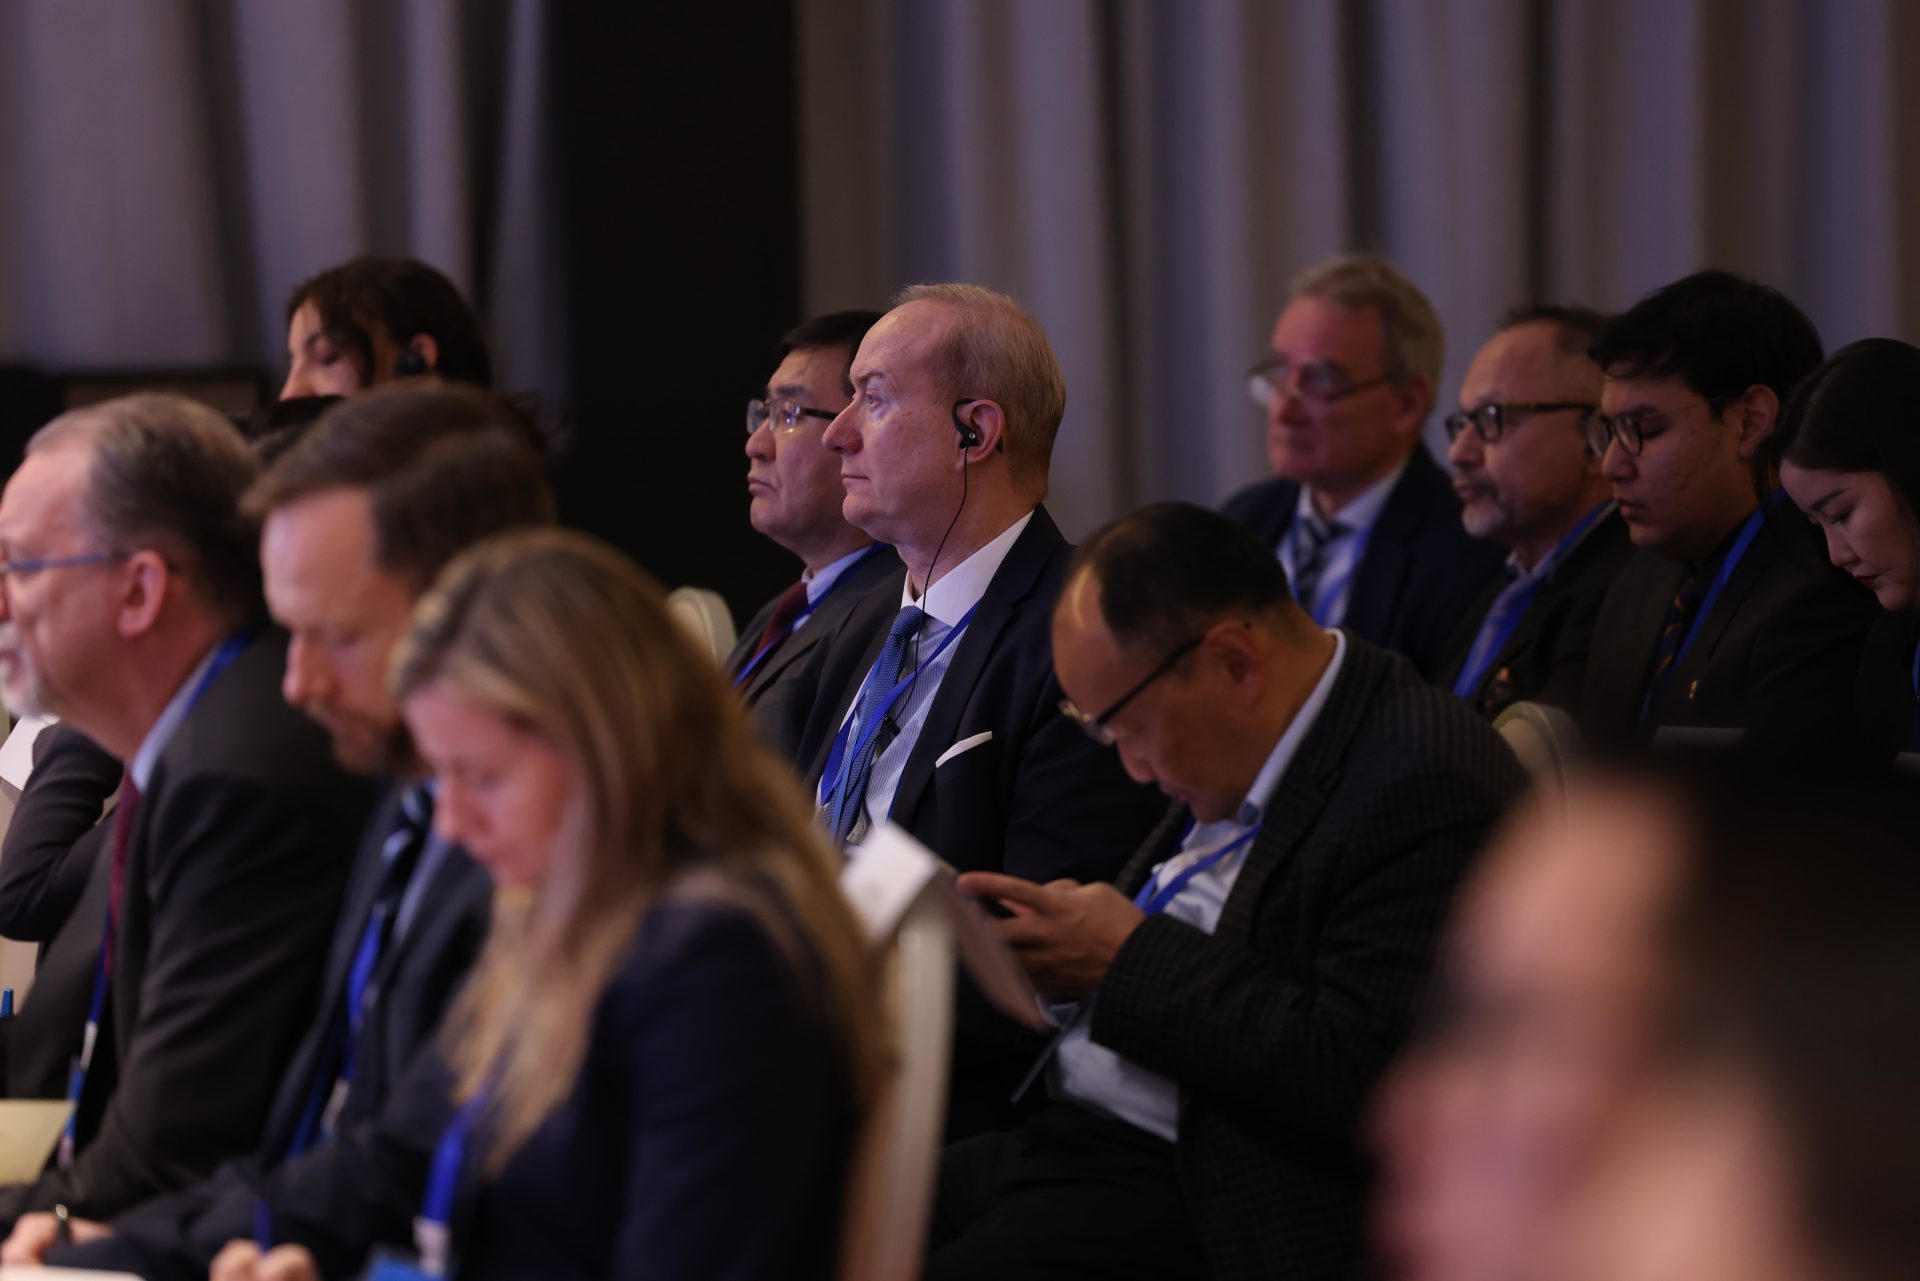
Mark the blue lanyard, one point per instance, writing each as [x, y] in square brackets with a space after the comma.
[223, 658]
[1748, 532]
[1154, 897]
[766, 651]
[431, 1229]
[839, 755]
[1487, 648]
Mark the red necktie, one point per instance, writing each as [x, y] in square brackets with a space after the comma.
[122, 838]
[789, 607]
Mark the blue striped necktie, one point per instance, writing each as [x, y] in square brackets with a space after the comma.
[849, 801]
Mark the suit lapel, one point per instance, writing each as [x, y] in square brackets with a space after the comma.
[1011, 586]
[749, 640]
[1747, 575]
[1378, 580]
[1294, 808]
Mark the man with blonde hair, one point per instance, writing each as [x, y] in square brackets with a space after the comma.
[941, 714]
[1363, 520]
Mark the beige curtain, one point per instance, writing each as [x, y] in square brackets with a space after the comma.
[1148, 174]
[169, 169]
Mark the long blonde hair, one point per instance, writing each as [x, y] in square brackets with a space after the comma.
[563, 636]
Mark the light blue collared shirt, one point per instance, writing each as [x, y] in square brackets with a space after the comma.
[945, 603]
[1343, 555]
[1095, 1077]
[167, 724]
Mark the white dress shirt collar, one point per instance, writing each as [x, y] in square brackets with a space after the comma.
[960, 588]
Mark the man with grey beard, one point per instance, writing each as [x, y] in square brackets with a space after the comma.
[1529, 481]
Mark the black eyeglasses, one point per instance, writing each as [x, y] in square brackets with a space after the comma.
[1631, 428]
[1096, 727]
[1489, 421]
[1317, 382]
[785, 413]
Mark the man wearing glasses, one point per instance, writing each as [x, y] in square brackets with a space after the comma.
[131, 606]
[1362, 518]
[1228, 1002]
[1729, 618]
[1529, 481]
[793, 482]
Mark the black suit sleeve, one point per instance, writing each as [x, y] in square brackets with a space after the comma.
[1290, 1053]
[42, 874]
[250, 903]
[1805, 670]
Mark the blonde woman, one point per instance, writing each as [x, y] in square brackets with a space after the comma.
[665, 1047]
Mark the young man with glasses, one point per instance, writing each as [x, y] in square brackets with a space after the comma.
[793, 483]
[1729, 618]
[1227, 1003]
[1361, 517]
[1529, 481]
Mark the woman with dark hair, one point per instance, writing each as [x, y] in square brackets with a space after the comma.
[1849, 449]
[374, 320]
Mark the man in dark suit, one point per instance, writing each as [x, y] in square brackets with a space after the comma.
[357, 521]
[1529, 480]
[54, 888]
[1729, 617]
[1362, 519]
[944, 454]
[1228, 1003]
[132, 610]
[794, 481]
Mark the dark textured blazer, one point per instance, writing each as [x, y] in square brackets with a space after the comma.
[177, 1235]
[1777, 657]
[54, 886]
[1421, 570]
[1038, 800]
[1277, 1025]
[1545, 660]
[780, 694]
[238, 857]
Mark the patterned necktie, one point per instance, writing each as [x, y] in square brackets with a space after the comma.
[400, 856]
[789, 607]
[1512, 599]
[849, 800]
[1679, 617]
[1312, 536]
[122, 839]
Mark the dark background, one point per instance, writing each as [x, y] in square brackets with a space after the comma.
[684, 256]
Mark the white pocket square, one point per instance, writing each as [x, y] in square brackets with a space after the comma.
[965, 744]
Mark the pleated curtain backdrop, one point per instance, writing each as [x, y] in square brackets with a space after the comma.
[1147, 175]
[170, 169]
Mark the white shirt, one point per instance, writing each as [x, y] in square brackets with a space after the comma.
[167, 724]
[946, 603]
[1094, 1076]
[1344, 553]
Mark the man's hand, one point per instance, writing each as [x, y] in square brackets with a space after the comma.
[34, 1234]
[1065, 933]
[242, 1261]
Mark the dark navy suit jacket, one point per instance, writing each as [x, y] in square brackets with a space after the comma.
[1421, 570]
[335, 1182]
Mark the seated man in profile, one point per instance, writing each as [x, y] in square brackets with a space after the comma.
[1230, 1001]
[1729, 618]
[794, 481]
[358, 518]
[1529, 480]
[133, 606]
